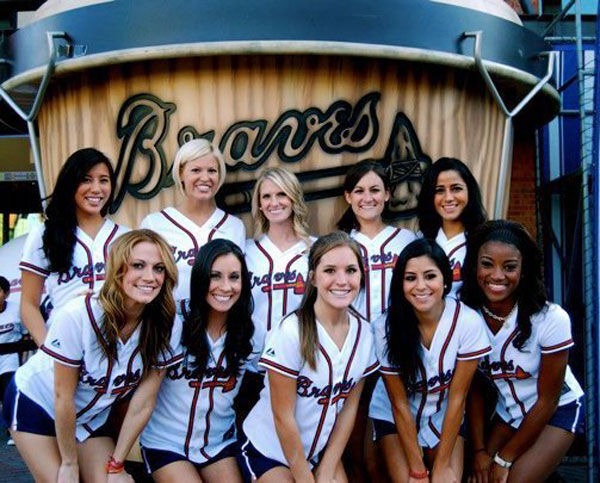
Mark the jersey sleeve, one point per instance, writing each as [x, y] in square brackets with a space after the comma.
[33, 259]
[282, 349]
[474, 342]
[380, 346]
[175, 354]
[64, 342]
[555, 330]
[372, 360]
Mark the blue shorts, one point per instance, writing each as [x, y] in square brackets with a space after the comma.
[383, 428]
[155, 459]
[21, 413]
[253, 463]
[570, 417]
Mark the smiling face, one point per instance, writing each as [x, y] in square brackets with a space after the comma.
[275, 205]
[225, 283]
[368, 198]
[499, 267]
[451, 195]
[200, 177]
[337, 278]
[93, 192]
[144, 276]
[423, 285]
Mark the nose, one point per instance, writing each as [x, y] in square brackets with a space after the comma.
[497, 274]
[148, 273]
[420, 282]
[95, 185]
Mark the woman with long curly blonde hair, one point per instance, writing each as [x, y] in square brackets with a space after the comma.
[97, 351]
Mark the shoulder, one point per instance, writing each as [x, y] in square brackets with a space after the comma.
[76, 311]
[551, 314]
[288, 328]
[468, 316]
[229, 221]
[154, 219]
[406, 235]
[34, 237]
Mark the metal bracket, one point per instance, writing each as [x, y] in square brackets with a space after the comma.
[507, 141]
[31, 116]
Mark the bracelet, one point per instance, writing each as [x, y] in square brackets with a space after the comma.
[113, 466]
[502, 463]
[418, 475]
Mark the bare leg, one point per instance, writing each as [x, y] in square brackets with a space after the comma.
[395, 460]
[40, 454]
[222, 471]
[499, 436]
[340, 474]
[176, 472]
[279, 474]
[456, 458]
[92, 455]
[374, 459]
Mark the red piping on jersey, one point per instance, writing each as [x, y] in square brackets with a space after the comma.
[443, 353]
[325, 406]
[287, 270]
[423, 395]
[367, 281]
[343, 395]
[108, 242]
[474, 354]
[270, 292]
[183, 229]
[217, 226]
[122, 391]
[370, 369]
[211, 405]
[55, 355]
[382, 254]
[557, 346]
[90, 262]
[508, 381]
[434, 429]
[267, 362]
[455, 249]
[35, 268]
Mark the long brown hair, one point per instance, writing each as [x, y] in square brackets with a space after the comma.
[309, 340]
[157, 316]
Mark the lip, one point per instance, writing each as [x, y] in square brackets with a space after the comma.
[222, 298]
[340, 293]
[147, 289]
[495, 287]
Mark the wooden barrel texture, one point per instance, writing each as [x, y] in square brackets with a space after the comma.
[316, 115]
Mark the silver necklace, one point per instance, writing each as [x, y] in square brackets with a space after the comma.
[495, 317]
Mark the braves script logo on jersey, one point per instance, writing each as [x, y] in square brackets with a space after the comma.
[213, 377]
[6, 328]
[189, 255]
[503, 369]
[434, 384]
[339, 391]
[283, 280]
[342, 127]
[122, 383]
[381, 261]
[86, 273]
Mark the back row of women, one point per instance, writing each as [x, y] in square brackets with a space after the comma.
[171, 329]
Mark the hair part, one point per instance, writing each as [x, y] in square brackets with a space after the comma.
[348, 220]
[192, 150]
[240, 328]
[158, 315]
[287, 182]
[61, 213]
[309, 339]
[530, 294]
[429, 219]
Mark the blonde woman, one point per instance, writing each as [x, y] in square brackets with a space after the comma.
[199, 171]
[98, 350]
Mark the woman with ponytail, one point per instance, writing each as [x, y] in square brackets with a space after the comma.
[66, 256]
[316, 360]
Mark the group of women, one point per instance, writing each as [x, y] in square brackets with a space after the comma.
[166, 331]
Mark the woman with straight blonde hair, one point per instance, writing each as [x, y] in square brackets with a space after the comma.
[98, 350]
[316, 360]
[199, 172]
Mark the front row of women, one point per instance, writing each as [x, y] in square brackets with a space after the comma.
[429, 345]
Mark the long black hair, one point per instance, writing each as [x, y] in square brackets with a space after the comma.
[429, 220]
[240, 328]
[348, 221]
[530, 294]
[61, 219]
[402, 326]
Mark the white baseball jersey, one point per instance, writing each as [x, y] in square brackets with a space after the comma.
[459, 336]
[195, 417]
[515, 372]
[321, 393]
[72, 341]
[87, 269]
[186, 238]
[380, 255]
[277, 279]
[11, 330]
[456, 251]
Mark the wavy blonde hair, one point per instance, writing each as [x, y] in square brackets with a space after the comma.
[286, 181]
[195, 149]
[157, 317]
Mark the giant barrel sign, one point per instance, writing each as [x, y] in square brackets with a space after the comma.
[313, 86]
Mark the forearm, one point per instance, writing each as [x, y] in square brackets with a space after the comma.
[476, 414]
[407, 433]
[451, 426]
[34, 322]
[65, 417]
[291, 444]
[138, 415]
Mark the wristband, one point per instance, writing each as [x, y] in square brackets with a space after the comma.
[502, 463]
[418, 475]
[113, 466]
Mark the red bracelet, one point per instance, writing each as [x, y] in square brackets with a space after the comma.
[113, 466]
[418, 475]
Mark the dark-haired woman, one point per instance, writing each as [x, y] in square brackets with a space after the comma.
[428, 345]
[540, 403]
[449, 208]
[98, 351]
[67, 255]
[316, 360]
[191, 435]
